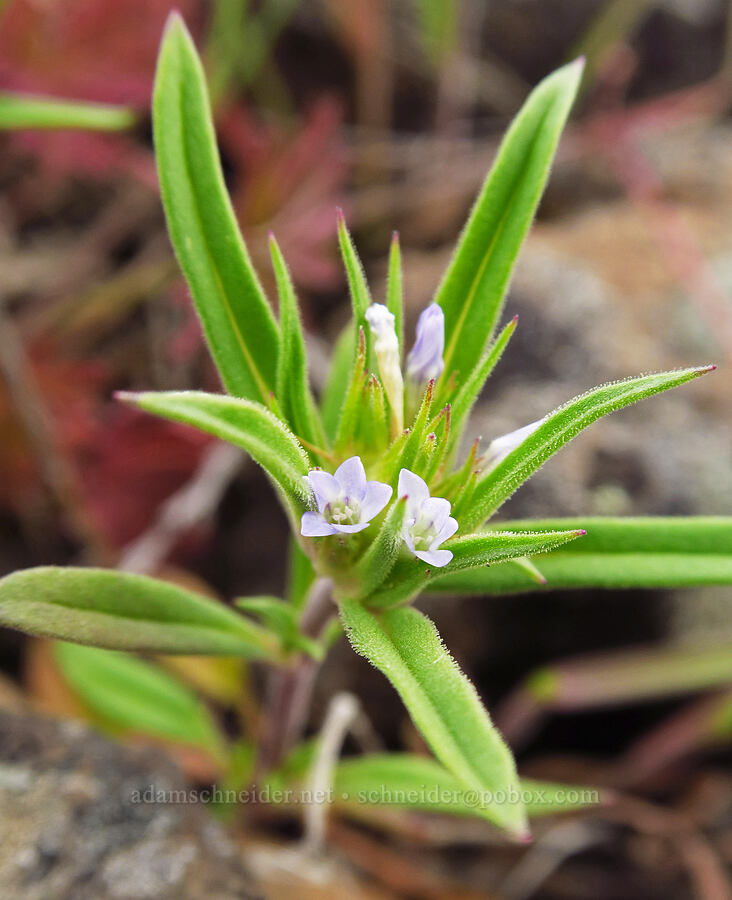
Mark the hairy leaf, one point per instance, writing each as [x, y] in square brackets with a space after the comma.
[357, 285]
[615, 553]
[473, 385]
[472, 291]
[395, 289]
[293, 389]
[337, 382]
[495, 487]
[381, 555]
[248, 425]
[408, 781]
[120, 611]
[240, 329]
[407, 578]
[405, 646]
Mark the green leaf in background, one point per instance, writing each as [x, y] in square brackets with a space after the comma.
[135, 696]
[240, 329]
[636, 675]
[29, 111]
[470, 552]
[405, 646]
[408, 781]
[438, 23]
[559, 427]
[615, 553]
[293, 388]
[248, 425]
[472, 290]
[120, 611]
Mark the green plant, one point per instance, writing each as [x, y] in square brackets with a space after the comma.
[366, 545]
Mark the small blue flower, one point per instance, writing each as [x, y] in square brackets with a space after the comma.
[346, 501]
[425, 358]
[428, 521]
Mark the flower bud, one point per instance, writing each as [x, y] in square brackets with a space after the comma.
[425, 358]
[500, 447]
[386, 349]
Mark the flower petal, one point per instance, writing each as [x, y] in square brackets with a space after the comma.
[351, 476]
[377, 496]
[413, 487]
[313, 524]
[406, 535]
[438, 558]
[435, 510]
[425, 358]
[447, 531]
[351, 529]
[500, 447]
[325, 487]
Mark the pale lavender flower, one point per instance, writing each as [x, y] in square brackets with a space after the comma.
[425, 358]
[346, 501]
[427, 521]
[500, 447]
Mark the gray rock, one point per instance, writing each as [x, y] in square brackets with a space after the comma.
[72, 827]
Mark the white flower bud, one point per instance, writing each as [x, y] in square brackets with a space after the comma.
[386, 349]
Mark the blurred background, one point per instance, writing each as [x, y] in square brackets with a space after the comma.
[393, 111]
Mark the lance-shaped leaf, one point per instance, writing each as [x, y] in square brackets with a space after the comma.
[616, 553]
[470, 391]
[357, 284]
[405, 646]
[395, 290]
[381, 555]
[238, 323]
[248, 425]
[137, 697]
[293, 389]
[120, 611]
[473, 551]
[29, 111]
[334, 393]
[353, 408]
[281, 618]
[418, 431]
[559, 427]
[472, 291]
[408, 781]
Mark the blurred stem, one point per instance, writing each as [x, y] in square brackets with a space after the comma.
[290, 690]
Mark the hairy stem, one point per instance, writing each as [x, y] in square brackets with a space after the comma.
[289, 690]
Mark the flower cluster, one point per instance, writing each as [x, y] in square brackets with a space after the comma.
[347, 502]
